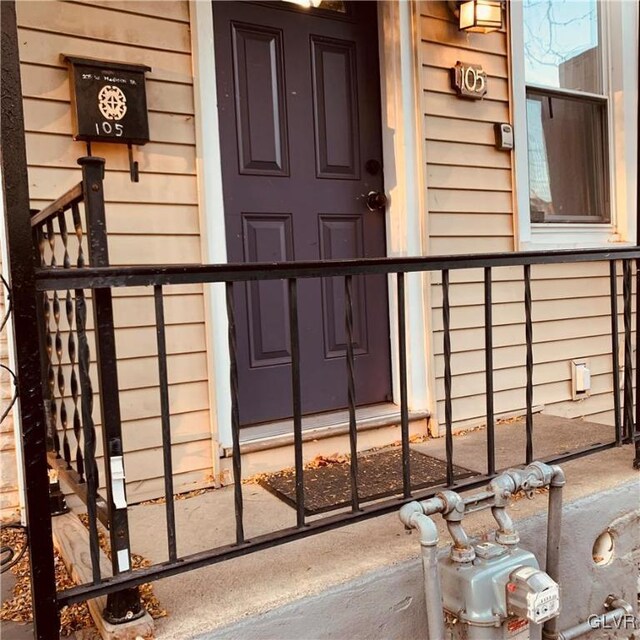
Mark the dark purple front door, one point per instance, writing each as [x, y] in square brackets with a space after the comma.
[299, 111]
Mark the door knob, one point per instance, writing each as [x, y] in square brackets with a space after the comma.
[375, 200]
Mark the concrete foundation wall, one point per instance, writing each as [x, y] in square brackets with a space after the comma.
[389, 603]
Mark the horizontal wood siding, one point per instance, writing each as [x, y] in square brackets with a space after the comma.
[153, 221]
[471, 209]
[9, 498]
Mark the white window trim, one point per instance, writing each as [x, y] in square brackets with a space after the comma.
[620, 78]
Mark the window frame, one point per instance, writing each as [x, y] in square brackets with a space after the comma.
[582, 97]
[621, 228]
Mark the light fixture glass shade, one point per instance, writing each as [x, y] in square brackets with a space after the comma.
[480, 16]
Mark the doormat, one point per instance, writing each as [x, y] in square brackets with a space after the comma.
[379, 476]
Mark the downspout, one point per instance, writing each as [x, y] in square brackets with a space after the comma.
[412, 517]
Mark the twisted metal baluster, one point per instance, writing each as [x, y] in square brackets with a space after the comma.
[51, 237]
[64, 235]
[627, 408]
[40, 240]
[66, 261]
[448, 409]
[77, 225]
[73, 379]
[61, 381]
[528, 331]
[235, 415]
[404, 401]
[51, 378]
[351, 392]
[77, 423]
[89, 432]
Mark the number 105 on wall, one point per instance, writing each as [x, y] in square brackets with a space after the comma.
[106, 128]
[469, 80]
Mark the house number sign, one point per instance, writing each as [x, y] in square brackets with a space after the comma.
[109, 101]
[469, 80]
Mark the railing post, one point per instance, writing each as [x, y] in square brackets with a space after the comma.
[20, 257]
[636, 429]
[125, 605]
[627, 408]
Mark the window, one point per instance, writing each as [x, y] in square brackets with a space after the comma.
[566, 112]
[574, 85]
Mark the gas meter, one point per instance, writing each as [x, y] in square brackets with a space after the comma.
[496, 595]
[490, 590]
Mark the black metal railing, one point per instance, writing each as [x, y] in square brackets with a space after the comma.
[67, 367]
[102, 279]
[70, 276]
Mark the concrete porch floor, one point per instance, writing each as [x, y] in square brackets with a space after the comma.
[552, 435]
[201, 601]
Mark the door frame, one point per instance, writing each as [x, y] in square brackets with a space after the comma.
[404, 180]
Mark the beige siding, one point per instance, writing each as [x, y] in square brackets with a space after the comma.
[9, 499]
[153, 221]
[468, 181]
[471, 209]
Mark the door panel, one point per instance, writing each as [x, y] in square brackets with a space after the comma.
[341, 238]
[299, 112]
[267, 238]
[259, 101]
[334, 77]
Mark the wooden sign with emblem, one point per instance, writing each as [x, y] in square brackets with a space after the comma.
[109, 101]
[469, 80]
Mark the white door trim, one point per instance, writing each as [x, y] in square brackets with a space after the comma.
[212, 227]
[403, 175]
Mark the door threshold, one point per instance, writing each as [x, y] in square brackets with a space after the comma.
[318, 426]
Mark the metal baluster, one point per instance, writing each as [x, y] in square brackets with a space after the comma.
[61, 381]
[42, 320]
[488, 364]
[73, 380]
[40, 241]
[448, 410]
[294, 335]
[51, 238]
[166, 422]
[64, 235]
[58, 344]
[529, 362]
[235, 415]
[77, 425]
[615, 348]
[404, 403]
[628, 352]
[89, 432]
[636, 430]
[351, 391]
[52, 416]
[77, 225]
